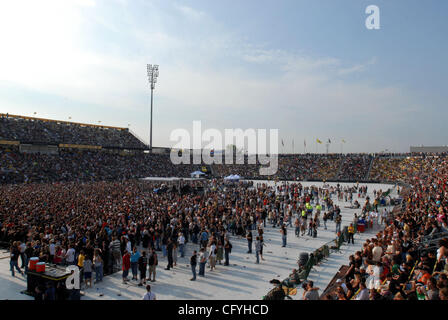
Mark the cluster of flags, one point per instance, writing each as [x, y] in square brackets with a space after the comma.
[304, 142]
[320, 141]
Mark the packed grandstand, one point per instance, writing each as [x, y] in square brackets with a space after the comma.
[95, 153]
[107, 161]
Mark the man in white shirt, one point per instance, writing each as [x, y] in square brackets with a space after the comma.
[384, 216]
[22, 248]
[128, 245]
[212, 256]
[377, 252]
[70, 256]
[149, 295]
[52, 248]
[181, 241]
[202, 262]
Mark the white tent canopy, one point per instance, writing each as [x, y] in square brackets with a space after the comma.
[197, 173]
[233, 177]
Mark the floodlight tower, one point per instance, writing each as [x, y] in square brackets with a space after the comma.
[153, 73]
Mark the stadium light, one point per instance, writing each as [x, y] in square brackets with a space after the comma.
[153, 73]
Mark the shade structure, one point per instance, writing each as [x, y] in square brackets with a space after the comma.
[196, 173]
[233, 177]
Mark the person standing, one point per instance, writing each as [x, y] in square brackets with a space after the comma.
[115, 248]
[384, 215]
[169, 249]
[338, 221]
[219, 252]
[175, 250]
[297, 226]
[212, 255]
[149, 295]
[98, 266]
[351, 233]
[260, 234]
[377, 251]
[202, 261]
[70, 255]
[128, 244]
[81, 258]
[257, 249]
[29, 253]
[204, 238]
[227, 251]
[283, 231]
[181, 242]
[249, 238]
[145, 240]
[193, 263]
[325, 218]
[52, 249]
[22, 247]
[87, 266]
[134, 263]
[152, 263]
[314, 229]
[142, 265]
[126, 265]
[310, 227]
[13, 263]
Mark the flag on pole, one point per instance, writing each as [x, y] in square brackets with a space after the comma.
[318, 141]
[329, 141]
[283, 143]
[304, 143]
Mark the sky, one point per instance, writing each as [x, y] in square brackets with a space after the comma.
[310, 69]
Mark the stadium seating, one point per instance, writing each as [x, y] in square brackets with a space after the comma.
[44, 131]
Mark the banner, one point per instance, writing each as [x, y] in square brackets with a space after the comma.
[78, 146]
[11, 143]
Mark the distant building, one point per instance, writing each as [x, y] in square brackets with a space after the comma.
[424, 149]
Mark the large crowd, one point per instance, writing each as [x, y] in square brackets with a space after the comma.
[41, 131]
[98, 165]
[79, 165]
[112, 224]
[354, 168]
[308, 167]
[408, 260]
[88, 208]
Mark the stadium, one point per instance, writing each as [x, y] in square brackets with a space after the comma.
[64, 184]
[90, 210]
